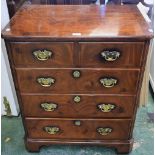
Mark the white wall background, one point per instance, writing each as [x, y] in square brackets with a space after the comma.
[7, 85]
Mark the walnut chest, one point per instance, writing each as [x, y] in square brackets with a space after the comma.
[78, 72]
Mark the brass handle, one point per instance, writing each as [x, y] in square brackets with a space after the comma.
[77, 99]
[42, 55]
[108, 82]
[48, 106]
[106, 107]
[46, 82]
[76, 74]
[52, 130]
[104, 131]
[110, 55]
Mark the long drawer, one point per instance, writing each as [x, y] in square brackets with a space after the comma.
[84, 81]
[79, 106]
[78, 129]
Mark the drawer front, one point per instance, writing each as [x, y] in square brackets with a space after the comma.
[111, 54]
[44, 54]
[80, 106]
[78, 129]
[63, 81]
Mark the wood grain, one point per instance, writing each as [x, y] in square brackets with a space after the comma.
[130, 54]
[87, 22]
[87, 54]
[63, 2]
[86, 108]
[62, 54]
[121, 146]
[89, 82]
[87, 129]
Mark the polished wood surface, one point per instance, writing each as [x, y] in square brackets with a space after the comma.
[86, 130]
[62, 54]
[63, 2]
[39, 22]
[76, 42]
[130, 54]
[89, 82]
[86, 108]
[88, 55]
[121, 146]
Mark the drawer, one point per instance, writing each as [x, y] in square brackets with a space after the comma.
[80, 106]
[107, 129]
[65, 81]
[42, 54]
[111, 54]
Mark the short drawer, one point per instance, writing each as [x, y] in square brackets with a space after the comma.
[79, 106]
[85, 81]
[111, 54]
[78, 128]
[42, 54]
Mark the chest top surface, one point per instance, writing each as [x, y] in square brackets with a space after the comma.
[77, 22]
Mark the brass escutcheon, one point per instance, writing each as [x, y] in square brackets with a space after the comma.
[77, 123]
[77, 99]
[76, 74]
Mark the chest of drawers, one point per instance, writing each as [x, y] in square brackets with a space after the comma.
[78, 72]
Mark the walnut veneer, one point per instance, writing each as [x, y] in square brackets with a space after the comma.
[78, 72]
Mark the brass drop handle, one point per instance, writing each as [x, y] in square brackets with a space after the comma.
[46, 82]
[104, 131]
[106, 107]
[52, 130]
[48, 106]
[109, 55]
[77, 99]
[76, 74]
[108, 82]
[42, 55]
